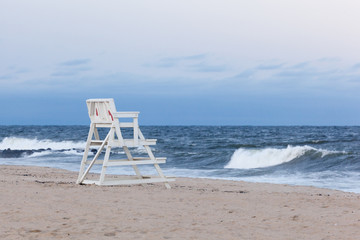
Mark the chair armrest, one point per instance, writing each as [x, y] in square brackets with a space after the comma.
[126, 114]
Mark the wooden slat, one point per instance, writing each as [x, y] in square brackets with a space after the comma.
[96, 142]
[96, 162]
[131, 143]
[126, 124]
[102, 125]
[126, 114]
[129, 181]
[135, 162]
[127, 142]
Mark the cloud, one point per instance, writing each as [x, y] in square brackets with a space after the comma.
[195, 57]
[201, 63]
[72, 68]
[306, 77]
[75, 62]
[64, 73]
[301, 65]
[312, 76]
[167, 63]
[329, 59]
[6, 77]
[13, 72]
[70, 72]
[296, 73]
[204, 67]
[269, 66]
[259, 73]
[356, 66]
[176, 61]
[245, 74]
[187, 58]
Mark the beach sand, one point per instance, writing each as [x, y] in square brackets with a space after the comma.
[45, 203]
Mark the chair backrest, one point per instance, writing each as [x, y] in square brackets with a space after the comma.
[101, 110]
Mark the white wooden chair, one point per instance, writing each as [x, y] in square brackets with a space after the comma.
[103, 114]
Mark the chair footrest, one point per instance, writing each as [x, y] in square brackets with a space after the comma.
[129, 180]
[126, 142]
[96, 142]
[125, 162]
[133, 143]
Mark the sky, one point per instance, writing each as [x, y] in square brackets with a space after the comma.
[204, 62]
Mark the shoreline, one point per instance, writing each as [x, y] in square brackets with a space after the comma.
[45, 203]
[201, 177]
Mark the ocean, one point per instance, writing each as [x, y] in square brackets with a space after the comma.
[326, 157]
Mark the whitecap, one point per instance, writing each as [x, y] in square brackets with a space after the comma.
[259, 158]
[16, 143]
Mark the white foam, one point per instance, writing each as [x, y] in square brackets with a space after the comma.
[15, 143]
[45, 153]
[325, 152]
[259, 158]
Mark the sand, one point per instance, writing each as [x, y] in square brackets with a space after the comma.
[45, 203]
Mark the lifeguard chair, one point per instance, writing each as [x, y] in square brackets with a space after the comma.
[103, 114]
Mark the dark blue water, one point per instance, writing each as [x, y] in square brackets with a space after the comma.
[318, 156]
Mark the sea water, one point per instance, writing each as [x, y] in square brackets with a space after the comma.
[327, 157]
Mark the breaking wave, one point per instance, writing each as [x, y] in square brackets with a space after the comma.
[260, 158]
[14, 147]
[15, 143]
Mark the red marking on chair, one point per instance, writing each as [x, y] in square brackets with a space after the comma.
[111, 115]
[97, 114]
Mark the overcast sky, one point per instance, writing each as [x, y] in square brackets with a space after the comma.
[258, 62]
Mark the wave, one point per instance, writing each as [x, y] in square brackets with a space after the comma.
[71, 152]
[260, 158]
[13, 147]
[15, 143]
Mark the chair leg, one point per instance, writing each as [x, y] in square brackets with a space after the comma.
[96, 134]
[107, 155]
[86, 153]
[94, 159]
[129, 156]
[104, 166]
[157, 167]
